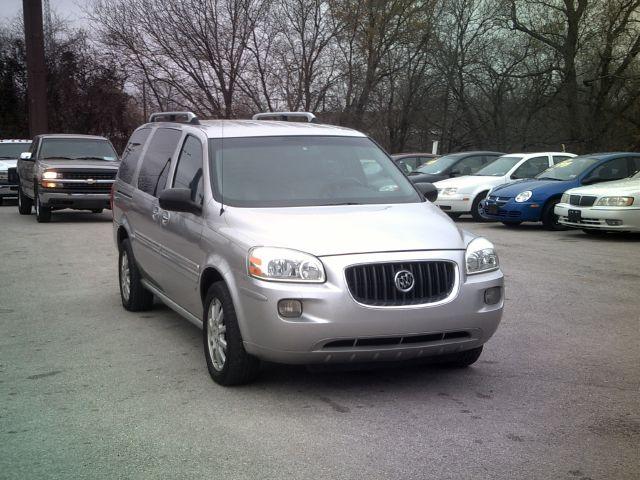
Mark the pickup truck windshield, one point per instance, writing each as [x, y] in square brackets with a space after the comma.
[305, 171]
[13, 150]
[77, 149]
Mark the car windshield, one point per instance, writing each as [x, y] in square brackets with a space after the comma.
[437, 165]
[567, 169]
[13, 150]
[499, 167]
[305, 171]
[78, 149]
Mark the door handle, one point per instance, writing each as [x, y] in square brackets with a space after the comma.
[165, 217]
[155, 213]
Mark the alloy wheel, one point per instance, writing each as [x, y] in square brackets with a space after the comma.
[216, 335]
[125, 276]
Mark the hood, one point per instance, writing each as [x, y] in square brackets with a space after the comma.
[7, 164]
[73, 164]
[627, 186]
[547, 187]
[336, 230]
[427, 177]
[470, 182]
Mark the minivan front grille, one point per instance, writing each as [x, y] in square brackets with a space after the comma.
[375, 284]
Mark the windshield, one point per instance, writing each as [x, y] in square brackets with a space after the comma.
[499, 167]
[567, 169]
[437, 165]
[13, 150]
[77, 149]
[306, 171]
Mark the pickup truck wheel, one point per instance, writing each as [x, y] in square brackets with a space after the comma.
[476, 209]
[463, 359]
[43, 214]
[227, 360]
[24, 203]
[135, 297]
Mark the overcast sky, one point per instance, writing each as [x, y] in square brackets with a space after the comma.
[66, 9]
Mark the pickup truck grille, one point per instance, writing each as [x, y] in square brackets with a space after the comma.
[81, 188]
[93, 174]
[374, 284]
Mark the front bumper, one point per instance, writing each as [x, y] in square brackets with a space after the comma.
[458, 203]
[77, 201]
[508, 210]
[330, 315]
[625, 219]
[8, 190]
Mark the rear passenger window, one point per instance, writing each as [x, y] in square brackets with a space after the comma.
[531, 167]
[559, 158]
[157, 160]
[189, 170]
[131, 154]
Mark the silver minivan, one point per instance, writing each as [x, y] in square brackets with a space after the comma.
[296, 242]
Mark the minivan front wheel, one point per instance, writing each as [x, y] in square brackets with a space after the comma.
[134, 296]
[227, 360]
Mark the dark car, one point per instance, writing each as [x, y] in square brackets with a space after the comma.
[452, 165]
[409, 162]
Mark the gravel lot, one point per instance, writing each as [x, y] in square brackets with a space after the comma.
[88, 390]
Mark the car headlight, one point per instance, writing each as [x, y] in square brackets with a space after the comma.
[50, 175]
[449, 191]
[565, 198]
[614, 202]
[284, 265]
[523, 196]
[481, 256]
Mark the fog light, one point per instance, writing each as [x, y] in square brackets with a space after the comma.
[49, 184]
[290, 308]
[614, 223]
[492, 295]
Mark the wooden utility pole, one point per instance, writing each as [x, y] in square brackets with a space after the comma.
[36, 71]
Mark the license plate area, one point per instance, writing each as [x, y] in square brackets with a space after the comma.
[574, 216]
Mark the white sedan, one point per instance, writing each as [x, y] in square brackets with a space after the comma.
[457, 196]
[609, 206]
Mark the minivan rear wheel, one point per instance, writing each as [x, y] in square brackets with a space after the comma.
[227, 360]
[135, 297]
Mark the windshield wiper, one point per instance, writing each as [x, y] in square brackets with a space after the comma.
[58, 158]
[10, 158]
[92, 158]
[342, 203]
[548, 178]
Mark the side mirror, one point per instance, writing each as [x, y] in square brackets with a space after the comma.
[429, 191]
[178, 200]
[26, 156]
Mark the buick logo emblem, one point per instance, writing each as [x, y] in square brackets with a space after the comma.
[404, 280]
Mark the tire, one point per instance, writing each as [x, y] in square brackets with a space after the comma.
[454, 215]
[97, 210]
[1, 201]
[227, 360]
[475, 208]
[43, 214]
[463, 359]
[25, 204]
[549, 218]
[134, 296]
[512, 224]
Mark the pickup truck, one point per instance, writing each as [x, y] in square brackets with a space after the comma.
[10, 151]
[66, 171]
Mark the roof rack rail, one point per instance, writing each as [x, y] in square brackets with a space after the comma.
[179, 117]
[311, 118]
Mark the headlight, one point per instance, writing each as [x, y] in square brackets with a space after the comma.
[284, 265]
[523, 196]
[449, 191]
[614, 202]
[50, 175]
[481, 256]
[565, 198]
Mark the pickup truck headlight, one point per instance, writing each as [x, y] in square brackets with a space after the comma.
[614, 202]
[284, 265]
[523, 196]
[481, 256]
[50, 175]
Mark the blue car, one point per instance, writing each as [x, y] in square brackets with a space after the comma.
[534, 200]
